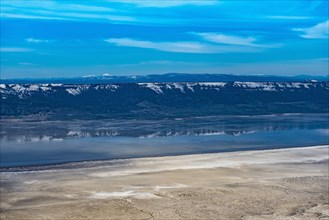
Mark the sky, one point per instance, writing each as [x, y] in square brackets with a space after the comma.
[62, 38]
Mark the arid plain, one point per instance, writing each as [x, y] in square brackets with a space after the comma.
[271, 184]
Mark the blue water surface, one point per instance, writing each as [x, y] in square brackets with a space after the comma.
[28, 143]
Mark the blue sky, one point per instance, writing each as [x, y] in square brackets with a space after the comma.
[135, 37]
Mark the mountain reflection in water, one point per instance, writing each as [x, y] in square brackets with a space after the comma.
[53, 142]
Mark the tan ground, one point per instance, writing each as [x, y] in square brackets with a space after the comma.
[283, 184]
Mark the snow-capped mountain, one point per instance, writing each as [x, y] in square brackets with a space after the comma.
[23, 90]
[163, 99]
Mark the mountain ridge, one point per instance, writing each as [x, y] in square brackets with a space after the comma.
[169, 77]
[162, 100]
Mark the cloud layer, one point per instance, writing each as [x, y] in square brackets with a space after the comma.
[170, 3]
[318, 31]
[34, 40]
[15, 49]
[179, 46]
[232, 40]
[72, 38]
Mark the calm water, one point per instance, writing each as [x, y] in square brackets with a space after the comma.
[28, 143]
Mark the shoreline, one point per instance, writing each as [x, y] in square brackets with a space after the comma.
[100, 163]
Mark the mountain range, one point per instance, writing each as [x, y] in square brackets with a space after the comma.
[162, 100]
[169, 77]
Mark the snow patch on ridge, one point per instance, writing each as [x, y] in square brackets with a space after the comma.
[153, 86]
[190, 86]
[110, 87]
[78, 90]
[213, 84]
[26, 90]
[179, 86]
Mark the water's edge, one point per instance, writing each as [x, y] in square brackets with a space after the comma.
[120, 162]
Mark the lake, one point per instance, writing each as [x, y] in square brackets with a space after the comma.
[30, 143]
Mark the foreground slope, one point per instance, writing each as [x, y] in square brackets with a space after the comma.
[273, 184]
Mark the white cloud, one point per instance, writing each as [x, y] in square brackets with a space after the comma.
[27, 64]
[227, 39]
[168, 3]
[163, 62]
[53, 6]
[51, 10]
[69, 16]
[15, 49]
[319, 31]
[180, 47]
[35, 40]
[41, 17]
[96, 16]
[89, 8]
[287, 17]
[232, 40]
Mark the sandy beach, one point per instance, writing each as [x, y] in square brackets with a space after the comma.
[288, 183]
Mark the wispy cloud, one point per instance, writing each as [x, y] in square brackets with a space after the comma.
[89, 8]
[53, 5]
[27, 64]
[170, 3]
[319, 31]
[35, 40]
[52, 10]
[179, 47]
[323, 59]
[71, 16]
[96, 16]
[15, 49]
[288, 17]
[162, 62]
[232, 40]
[159, 31]
[25, 16]
[227, 39]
